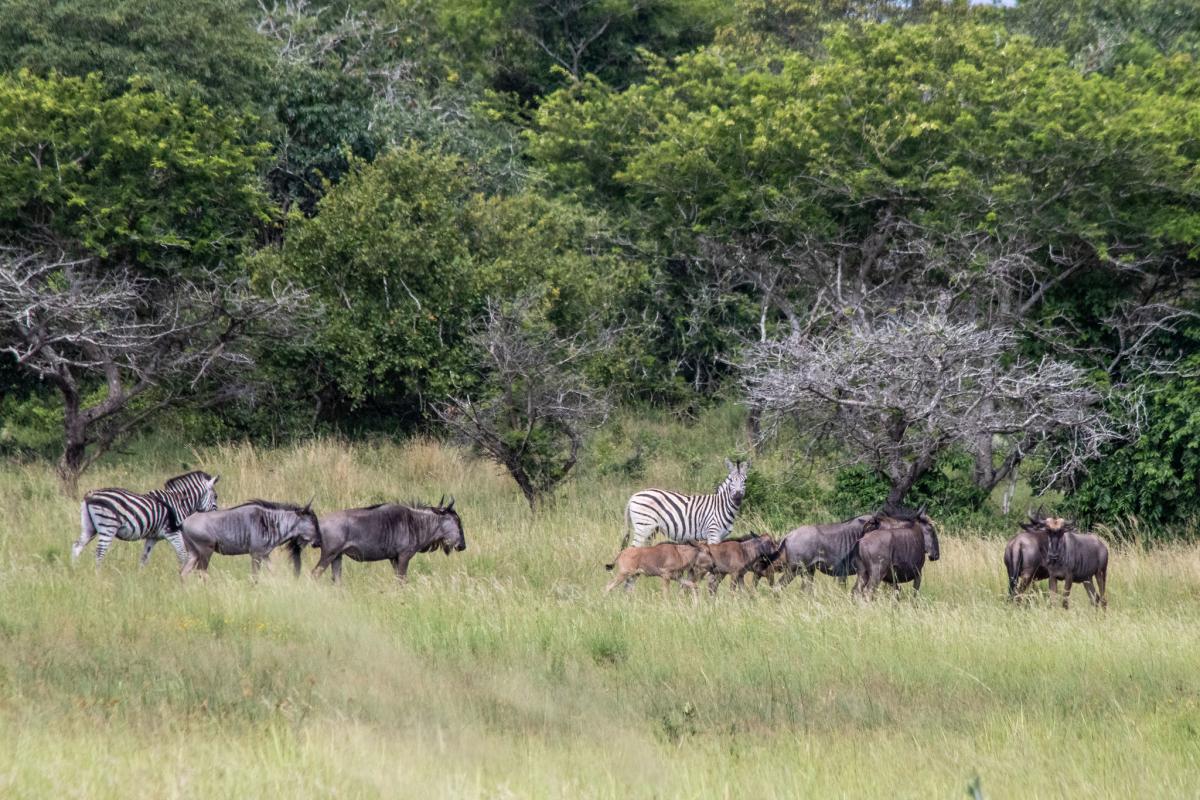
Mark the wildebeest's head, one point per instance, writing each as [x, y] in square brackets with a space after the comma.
[1055, 528]
[735, 482]
[929, 532]
[306, 528]
[450, 530]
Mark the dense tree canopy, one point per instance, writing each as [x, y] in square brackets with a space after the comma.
[711, 179]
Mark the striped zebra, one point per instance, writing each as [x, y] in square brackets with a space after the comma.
[158, 514]
[686, 517]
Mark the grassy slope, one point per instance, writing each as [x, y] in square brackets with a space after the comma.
[504, 671]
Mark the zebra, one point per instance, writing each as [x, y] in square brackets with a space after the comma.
[687, 517]
[158, 514]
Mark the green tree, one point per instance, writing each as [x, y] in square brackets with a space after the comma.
[204, 46]
[405, 252]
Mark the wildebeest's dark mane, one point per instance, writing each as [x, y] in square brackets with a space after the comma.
[900, 512]
[411, 505]
[274, 506]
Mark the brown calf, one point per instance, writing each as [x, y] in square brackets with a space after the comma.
[666, 560]
[736, 557]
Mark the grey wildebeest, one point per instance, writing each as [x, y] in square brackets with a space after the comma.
[1073, 558]
[388, 531]
[828, 548]
[736, 557]
[1025, 556]
[666, 560]
[893, 550]
[254, 528]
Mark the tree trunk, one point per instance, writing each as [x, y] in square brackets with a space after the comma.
[74, 453]
[527, 488]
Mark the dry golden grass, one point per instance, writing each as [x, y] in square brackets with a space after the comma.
[505, 672]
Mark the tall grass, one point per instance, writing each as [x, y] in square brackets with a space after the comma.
[504, 671]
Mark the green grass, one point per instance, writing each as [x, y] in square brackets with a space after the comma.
[505, 671]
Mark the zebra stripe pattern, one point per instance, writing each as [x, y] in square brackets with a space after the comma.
[108, 514]
[684, 517]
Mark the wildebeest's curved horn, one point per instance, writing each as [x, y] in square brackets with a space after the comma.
[451, 506]
[921, 510]
[308, 505]
[442, 502]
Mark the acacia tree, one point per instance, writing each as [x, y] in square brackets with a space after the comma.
[534, 406]
[120, 347]
[898, 390]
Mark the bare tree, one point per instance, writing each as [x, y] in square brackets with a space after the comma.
[896, 390]
[535, 406]
[120, 347]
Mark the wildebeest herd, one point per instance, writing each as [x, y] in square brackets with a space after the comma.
[889, 546]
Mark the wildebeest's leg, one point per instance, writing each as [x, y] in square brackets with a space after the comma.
[337, 569]
[1053, 587]
[146, 548]
[713, 580]
[1023, 586]
[327, 556]
[1091, 590]
[1102, 580]
[916, 584]
[1066, 592]
[617, 578]
[400, 565]
[666, 584]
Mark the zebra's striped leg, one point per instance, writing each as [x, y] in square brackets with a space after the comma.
[105, 539]
[176, 540]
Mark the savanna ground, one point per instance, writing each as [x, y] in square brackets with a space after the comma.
[505, 672]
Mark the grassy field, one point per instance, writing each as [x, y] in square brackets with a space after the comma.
[505, 672]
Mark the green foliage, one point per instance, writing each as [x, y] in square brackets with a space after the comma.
[1156, 479]
[946, 491]
[136, 177]
[207, 47]
[531, 48]
[405, 252]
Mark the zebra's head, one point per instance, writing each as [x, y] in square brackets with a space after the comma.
[208, 500]
[734, 485]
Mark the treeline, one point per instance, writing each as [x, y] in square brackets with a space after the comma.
[503, 216]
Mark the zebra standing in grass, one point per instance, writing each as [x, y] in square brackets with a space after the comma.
[158, 514]
[687, 517]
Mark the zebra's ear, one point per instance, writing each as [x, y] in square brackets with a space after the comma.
[214, 480]
[746, 466]
[729, 465]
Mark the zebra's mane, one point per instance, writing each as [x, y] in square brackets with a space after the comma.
[197, 473]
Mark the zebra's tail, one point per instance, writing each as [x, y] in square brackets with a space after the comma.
[624, 538]
[87, 530]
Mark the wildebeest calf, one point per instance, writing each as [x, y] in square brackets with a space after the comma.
[895, 552]
[666, 560]
[1075, 557]
[737, 557]
[388, 531]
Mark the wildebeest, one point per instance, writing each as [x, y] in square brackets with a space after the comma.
[666, 560]
[736, 557]
[388, 531]
[827, 548]
[1075, 557]
[893, 550]
[1025, 555]
[255, 528]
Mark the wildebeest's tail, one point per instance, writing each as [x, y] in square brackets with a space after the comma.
[1014, 566]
